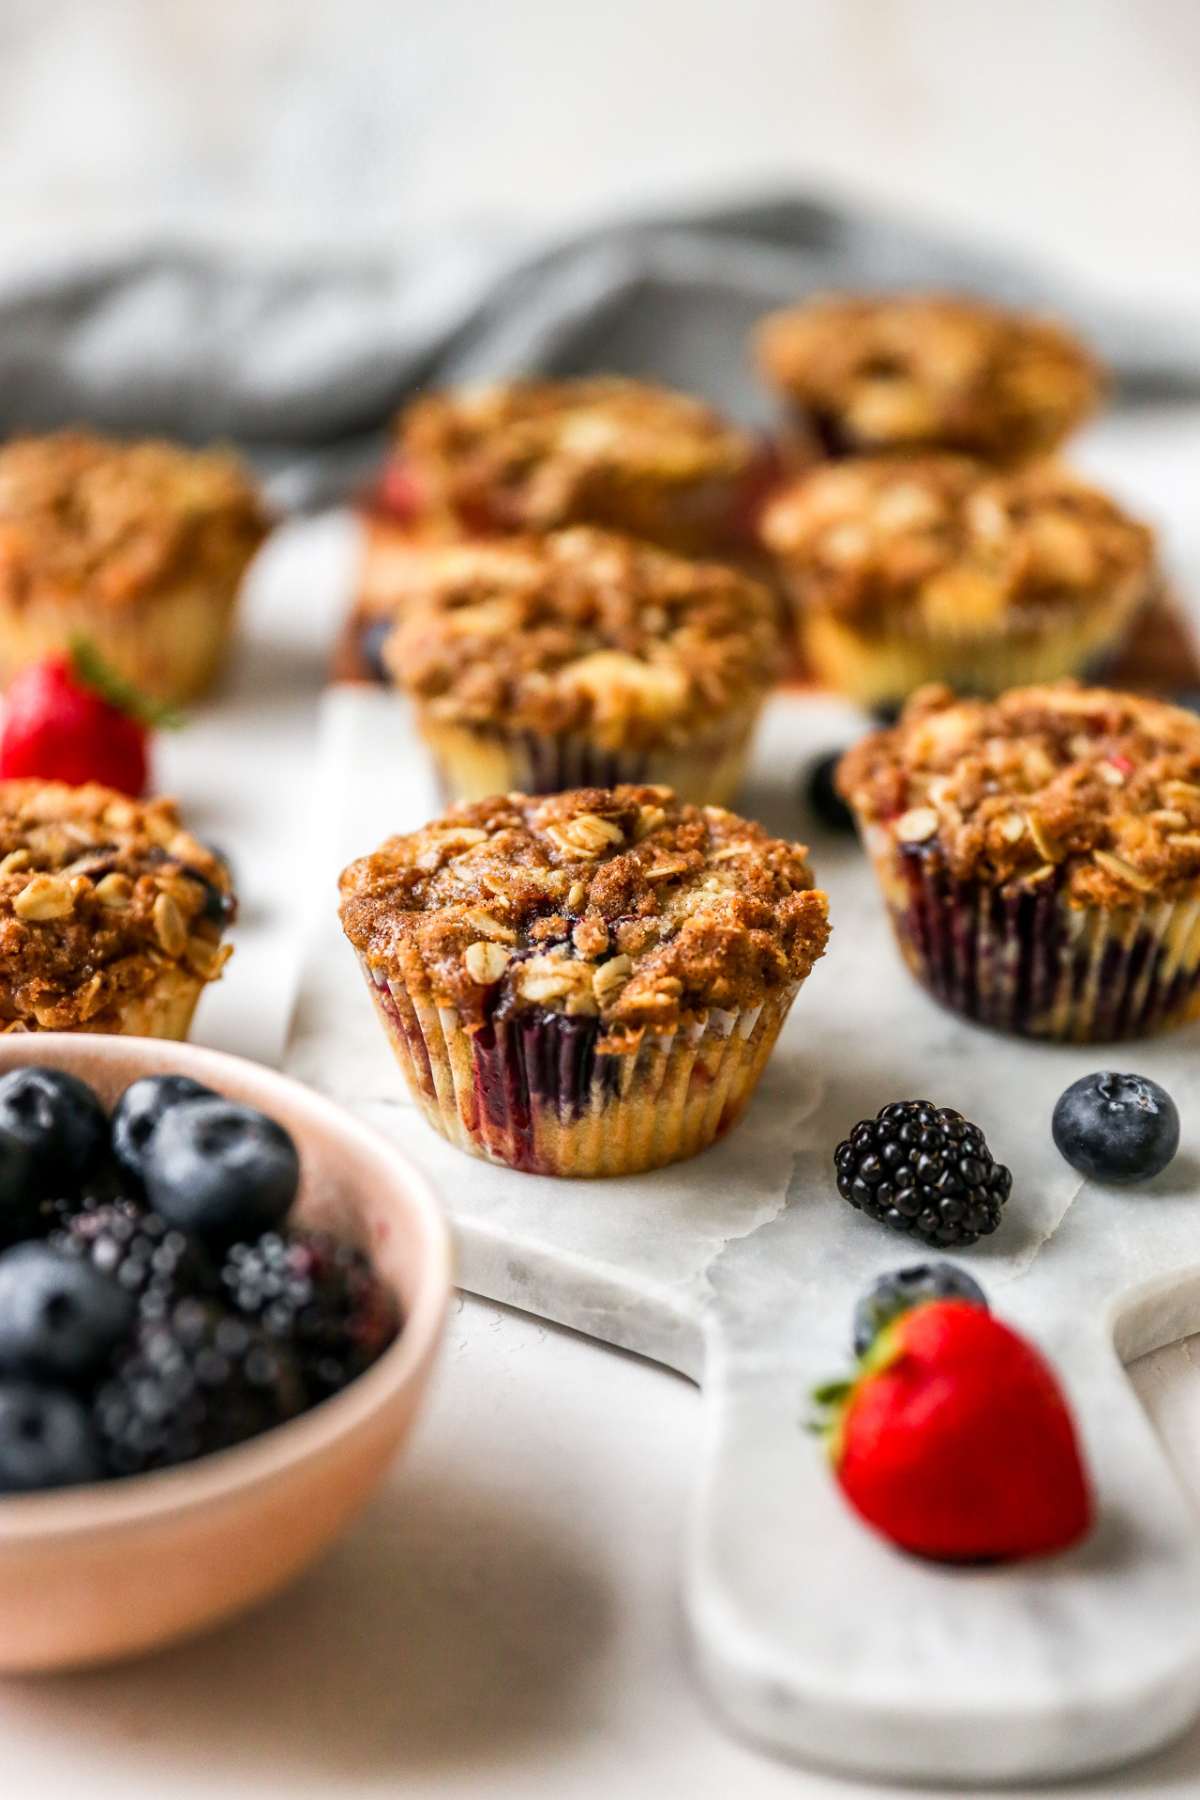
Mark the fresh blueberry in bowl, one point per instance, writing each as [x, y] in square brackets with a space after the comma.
[140, 1110]
[900, 1290]
[20, 1198]
[1116, 1128]
[60, 1317]
[46, 1439]
[60, 1122]
[221, 1170]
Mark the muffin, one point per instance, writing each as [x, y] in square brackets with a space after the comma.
[1040, 856]
[111, 914]
[879, 372]
[588, 984]
[905, 570]
[582, 659]
[139, 548]
[532, 456]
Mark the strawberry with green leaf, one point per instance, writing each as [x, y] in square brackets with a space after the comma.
[72, 718]
[954, 1440]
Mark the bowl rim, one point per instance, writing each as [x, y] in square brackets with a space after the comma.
[161, 1493]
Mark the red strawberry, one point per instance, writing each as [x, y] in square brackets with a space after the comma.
[71, 719]
[399, 493]
[955, 1441]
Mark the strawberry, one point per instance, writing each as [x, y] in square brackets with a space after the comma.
[398, 492]
[955, 1441]
[73, 719]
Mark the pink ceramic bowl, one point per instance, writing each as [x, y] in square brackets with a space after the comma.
[95, 1573]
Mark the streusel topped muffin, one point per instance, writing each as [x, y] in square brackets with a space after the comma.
[907, 568]
[1042, 854]
[111, 913]
[913, 371]
[138, 546]
[538, 455]
[537, 657]
[560, 976]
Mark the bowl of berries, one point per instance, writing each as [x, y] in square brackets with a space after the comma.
[220, 1299]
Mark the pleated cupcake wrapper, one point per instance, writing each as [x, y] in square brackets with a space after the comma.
[472, 764]
[1023, 960]
[533, 1092]
[887, 665]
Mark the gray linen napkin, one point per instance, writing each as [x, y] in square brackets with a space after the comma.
[303, 366]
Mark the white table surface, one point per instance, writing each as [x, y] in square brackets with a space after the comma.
[503, 1622]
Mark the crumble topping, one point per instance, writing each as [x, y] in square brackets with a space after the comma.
[955, 541]
[621, 902]
[98, 894]
[1099, 791]
[535, 455]
[920, 369]
[583, 630]
[117, 521]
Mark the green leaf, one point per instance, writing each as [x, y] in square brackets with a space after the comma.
[91, 671]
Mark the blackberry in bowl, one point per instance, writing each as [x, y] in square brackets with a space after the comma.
[926, 1171]
[168, 1455]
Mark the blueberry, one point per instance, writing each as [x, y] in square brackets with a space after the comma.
[823, 796]
[60, 1317]
[1116, 1127]
[370, 647]
[46, 1439]
[139, 1110]
[20, 1197]
[221, 1170]
[59, 1120]
[902, 1289]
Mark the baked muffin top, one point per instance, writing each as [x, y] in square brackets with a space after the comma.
[953, 540]
[620, 903]
[98, 895]
[1095, 790]
[535, 455]
[582, 631]
[882, 371]
[81, 514]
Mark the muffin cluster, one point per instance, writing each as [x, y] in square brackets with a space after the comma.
[140, 547]
[111, 913]
[584, 652]
[1041, 855]
[588, 983]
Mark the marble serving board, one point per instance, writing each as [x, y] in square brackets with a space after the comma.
[741, 1269]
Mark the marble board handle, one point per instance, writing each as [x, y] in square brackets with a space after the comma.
[820, 1641]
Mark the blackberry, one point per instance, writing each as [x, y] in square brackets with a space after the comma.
[317, 1295]
[199, 1379]
[144, 1255]
[923, 1170]
[823, 798]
